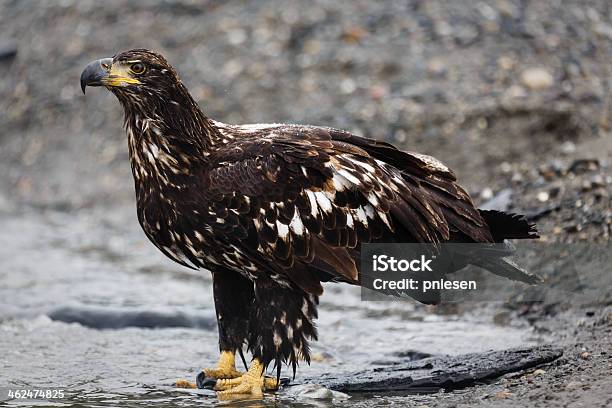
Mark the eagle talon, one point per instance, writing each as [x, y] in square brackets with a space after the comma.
[221, 373]
[252, 382]
[226, 367]
[181, 383]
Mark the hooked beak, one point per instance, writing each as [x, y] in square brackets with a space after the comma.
[96, 72]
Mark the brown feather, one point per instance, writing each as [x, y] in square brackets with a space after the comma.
[338, 259]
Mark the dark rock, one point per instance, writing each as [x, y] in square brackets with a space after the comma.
[412, 355]
[7, 52]
[108, 318]
[441, 373]
[583, 165]
[402, 358]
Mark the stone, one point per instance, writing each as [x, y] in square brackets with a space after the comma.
[537, 79]
[437, 373]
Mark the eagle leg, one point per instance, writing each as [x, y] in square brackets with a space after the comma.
[226, 367]
[253, 382]
[233, 296]
[281, 325]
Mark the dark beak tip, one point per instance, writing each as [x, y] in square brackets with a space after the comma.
[94, 72]
[83, 81]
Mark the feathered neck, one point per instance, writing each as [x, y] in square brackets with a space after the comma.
[169, 137]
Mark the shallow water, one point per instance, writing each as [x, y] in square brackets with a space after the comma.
[98, 269]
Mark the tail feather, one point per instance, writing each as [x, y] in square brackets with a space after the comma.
[507, 268]
[495, 258]
[508, 225]
[505, 226]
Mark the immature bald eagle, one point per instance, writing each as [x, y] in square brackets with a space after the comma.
[274, 210]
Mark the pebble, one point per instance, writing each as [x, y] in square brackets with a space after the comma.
[516, 91]
[486, 194]
[543, 196]
[547, 172]
[568, 147]
[598, 181]
[505, 62]
[505, 167]
[586, 185]
[537, 79]
[517, 177]
[505, 394]
[354, 34]
[573, 385]
[316, 391]
[585, 355]
[377, 92]
[436, 68]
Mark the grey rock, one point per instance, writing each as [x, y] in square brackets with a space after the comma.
[442, 373]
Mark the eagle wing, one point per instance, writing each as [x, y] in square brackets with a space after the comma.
[299, 201]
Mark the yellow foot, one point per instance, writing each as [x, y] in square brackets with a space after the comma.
[226, 367]
[252, 383]
[185, 384]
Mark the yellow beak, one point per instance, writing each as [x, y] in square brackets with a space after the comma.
[103, 72]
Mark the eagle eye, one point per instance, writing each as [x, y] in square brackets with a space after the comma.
[137, 68]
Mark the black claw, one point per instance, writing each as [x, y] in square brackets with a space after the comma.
[205, 383]
[246, 367]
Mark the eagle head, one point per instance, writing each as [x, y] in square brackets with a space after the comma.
[150, 90]
[160, 114]
[132, 75]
